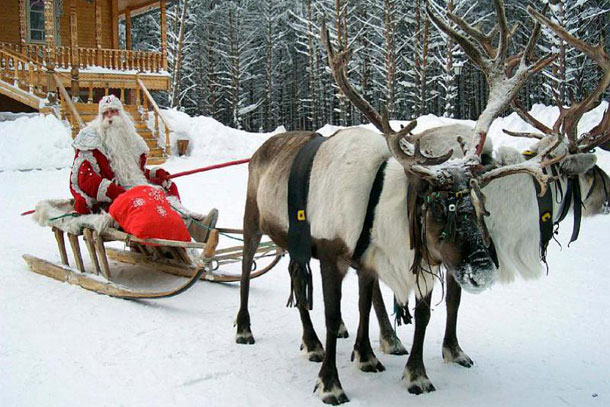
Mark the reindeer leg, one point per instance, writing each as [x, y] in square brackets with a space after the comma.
[311, 345]
[328, 382]
[363, 353]
[388, 339]
[415, 376]
[252, 237]
[452, 353]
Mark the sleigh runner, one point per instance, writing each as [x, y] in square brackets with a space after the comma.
[193, 260]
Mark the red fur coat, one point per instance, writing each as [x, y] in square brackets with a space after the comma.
[92, 178]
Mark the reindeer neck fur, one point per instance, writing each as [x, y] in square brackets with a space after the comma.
[389, 252]
[513, 223]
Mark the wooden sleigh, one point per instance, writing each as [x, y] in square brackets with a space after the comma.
[166, 256]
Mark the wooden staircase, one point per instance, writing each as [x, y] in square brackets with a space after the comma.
[88, 112]
[27, 81]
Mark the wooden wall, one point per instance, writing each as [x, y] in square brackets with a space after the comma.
[9, 23]
[86, 24]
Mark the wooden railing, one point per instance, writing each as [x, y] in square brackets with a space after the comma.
[21, 73]
[115, 59]
[143, 97]
[66, 101]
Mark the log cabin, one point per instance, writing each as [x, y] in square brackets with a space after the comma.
[61, 56]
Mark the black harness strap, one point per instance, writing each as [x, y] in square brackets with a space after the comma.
[365, 236]
[545, 218]
[299, 231]
[577, 209]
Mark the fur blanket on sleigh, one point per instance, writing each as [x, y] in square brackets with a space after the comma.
[60, 213]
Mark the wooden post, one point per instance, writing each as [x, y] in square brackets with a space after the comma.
[49, 27]
[75, 88]
[98, 241]
[23, 29]
[115, 24]
[61, 245]
[98, 30]
[162, 5]
[76, 251]
[128, 40]
[88, 238]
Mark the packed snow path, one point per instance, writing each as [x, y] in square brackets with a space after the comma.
[537, 343]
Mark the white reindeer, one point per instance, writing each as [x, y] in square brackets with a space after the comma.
[431, 212]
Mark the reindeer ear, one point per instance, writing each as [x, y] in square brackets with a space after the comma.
[508, 156]
[578, 163]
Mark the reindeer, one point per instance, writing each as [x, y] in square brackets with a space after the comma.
[514, 223]
[430, 213]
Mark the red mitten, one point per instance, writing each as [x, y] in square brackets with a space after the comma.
[114, 191]
[161, 174]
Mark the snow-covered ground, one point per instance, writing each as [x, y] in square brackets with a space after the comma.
[541, 343]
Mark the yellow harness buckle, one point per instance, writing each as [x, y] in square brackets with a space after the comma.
[301, 215]
[528, 153]
[546, 216]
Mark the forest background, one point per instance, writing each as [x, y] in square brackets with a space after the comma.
[259, 64]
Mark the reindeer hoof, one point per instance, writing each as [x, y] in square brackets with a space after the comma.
[244, 338]
[342, 332]
[457, 355]
[315, 353]
[392, 346]
[372, 365]
[417, 383]
[335, 395]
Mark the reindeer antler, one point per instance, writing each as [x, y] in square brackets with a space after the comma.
[566, 124]
[338, 63]
[504, 80]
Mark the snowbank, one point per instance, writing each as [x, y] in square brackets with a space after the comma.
[209, 138]
[36, 141]
[31, 142]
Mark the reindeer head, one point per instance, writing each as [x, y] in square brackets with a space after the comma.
[563, 138]
[446, 205]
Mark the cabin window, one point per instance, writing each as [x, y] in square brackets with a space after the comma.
[36, 32]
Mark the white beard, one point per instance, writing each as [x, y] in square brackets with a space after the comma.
[124, 148]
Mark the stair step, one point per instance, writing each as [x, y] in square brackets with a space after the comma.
[151, 143]
[151, 161]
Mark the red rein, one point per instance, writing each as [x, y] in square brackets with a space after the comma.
[211, 167]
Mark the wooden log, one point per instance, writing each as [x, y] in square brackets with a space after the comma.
[61, 245]
[101, 254]
[113, 234]
[76, 251]
[88, 238]
[164, 266]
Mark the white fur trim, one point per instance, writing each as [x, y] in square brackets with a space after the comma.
[88, 139]
[54, 208]
[83, 156]
[153, 172]
[102, 191]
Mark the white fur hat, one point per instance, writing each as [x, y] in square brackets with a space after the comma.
[109, 102]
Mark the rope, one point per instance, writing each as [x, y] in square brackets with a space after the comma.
[64, 216]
